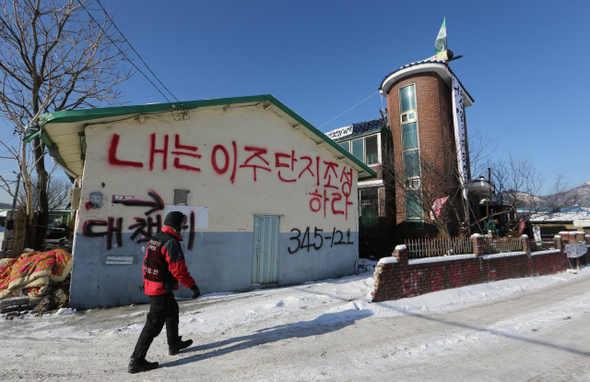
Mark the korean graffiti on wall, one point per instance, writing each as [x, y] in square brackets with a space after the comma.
[331, 182]
[150, 223]
[143, 227]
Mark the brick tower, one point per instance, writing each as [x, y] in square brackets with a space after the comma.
[430, 161]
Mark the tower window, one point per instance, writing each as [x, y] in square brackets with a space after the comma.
[411, 153]
[407, 98]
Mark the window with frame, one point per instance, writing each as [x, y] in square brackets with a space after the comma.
[371, 150]
[407, 104]
[413, 205]
[366, 149]
[358, 149]
[345, 145]
[411, 153]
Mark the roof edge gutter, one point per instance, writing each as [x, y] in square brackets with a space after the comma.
[56, 159]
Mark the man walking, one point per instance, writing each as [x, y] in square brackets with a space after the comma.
[163, 268]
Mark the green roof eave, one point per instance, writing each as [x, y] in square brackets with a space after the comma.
[41, 135]
[68, 116]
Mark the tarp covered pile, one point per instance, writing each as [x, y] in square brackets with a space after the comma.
[31, 273]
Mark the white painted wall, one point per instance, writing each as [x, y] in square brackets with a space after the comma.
[314, 229]
[231, 205]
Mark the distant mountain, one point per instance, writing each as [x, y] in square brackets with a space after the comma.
[576, 196]
[582, 194]
[4, 206]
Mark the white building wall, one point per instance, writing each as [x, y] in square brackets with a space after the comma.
[237, 163]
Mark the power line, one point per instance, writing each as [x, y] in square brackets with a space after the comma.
[341, 114]
[575, 166]
[123, 53]
[568, 175]
[568, 172]
[8, 138]
[133, 49]
[569, 169]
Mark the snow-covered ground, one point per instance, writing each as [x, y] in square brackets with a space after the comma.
[325, 331]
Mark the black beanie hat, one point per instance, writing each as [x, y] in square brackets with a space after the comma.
[174, 220]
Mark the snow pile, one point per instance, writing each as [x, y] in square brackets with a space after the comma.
[65, 311]
[334, 300]
[323, 331]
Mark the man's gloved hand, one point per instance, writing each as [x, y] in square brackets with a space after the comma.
[196, 291]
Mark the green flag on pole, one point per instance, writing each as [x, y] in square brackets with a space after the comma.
[440, 45]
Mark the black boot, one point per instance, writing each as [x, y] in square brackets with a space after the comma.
[178, 346]
[139, 365]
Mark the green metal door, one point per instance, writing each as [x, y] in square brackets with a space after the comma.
[265, 249]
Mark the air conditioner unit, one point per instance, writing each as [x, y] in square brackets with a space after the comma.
[408, 117]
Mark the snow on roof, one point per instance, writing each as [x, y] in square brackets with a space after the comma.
[565, 214]
[420, 65]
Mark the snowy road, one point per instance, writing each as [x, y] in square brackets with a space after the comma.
[533, 329]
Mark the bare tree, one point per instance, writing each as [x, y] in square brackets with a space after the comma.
[53, 56]
[57, 192]
[435, 185]
[426, 179]
[519, 190]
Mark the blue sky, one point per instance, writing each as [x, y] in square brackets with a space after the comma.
[525, 63]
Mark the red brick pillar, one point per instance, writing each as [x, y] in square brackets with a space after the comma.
[401, 253]
[477, 241]
[565, 238]
[558, 242]
[386, 277]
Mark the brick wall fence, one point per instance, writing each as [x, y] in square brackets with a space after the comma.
[397, 277]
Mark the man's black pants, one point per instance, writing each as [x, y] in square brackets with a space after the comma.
[163, 310]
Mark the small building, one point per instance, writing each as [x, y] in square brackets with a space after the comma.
[270, 199]
[371, 143]
[552, 221]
